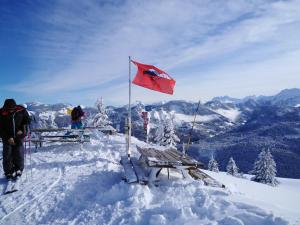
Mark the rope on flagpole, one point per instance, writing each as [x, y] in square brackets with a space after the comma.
[191, 131]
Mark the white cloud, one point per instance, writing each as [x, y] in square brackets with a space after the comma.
[238, 80]
[88, 44]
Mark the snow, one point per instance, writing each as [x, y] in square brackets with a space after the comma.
[226, 99]
[47, 115]
[81, 184]
[63, 111]
[282, 200]
[156, 115]
[190, 118]
[298, 105]
[37, 103]
[232, 114]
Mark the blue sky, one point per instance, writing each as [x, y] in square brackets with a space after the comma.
[77, 51]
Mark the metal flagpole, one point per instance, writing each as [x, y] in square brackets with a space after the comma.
[25, 152]
[129, 112]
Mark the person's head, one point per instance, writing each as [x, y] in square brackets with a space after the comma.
[9, 105]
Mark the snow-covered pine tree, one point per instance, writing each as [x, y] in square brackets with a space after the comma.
[213, 165]
[159, 134]
[165, 134]
[232, 167]
[170, 138]
[101, 118]
[159, 131]
[264, 170]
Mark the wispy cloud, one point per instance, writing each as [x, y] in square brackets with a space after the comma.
[78, 46]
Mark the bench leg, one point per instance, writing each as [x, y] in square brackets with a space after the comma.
[153, 174]
[158, 172]
[184, 173]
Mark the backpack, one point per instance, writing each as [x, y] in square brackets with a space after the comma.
[77, 113]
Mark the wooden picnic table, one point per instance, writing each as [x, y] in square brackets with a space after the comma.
[169, 158]
[156, 160]
[107, 130]
[146, 169]
[78, 136]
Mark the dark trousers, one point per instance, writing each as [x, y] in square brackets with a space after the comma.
[13, 157]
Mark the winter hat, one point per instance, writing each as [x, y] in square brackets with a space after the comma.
[9, 104]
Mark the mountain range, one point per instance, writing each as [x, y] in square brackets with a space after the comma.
[224, 126]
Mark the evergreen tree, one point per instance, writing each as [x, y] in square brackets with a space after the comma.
[232, 168]
[159, 134]
[165, 134]
[264, 170]
[101, 118]
[213, 165]
[170, 138]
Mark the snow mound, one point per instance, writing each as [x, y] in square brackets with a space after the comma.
[82, 184]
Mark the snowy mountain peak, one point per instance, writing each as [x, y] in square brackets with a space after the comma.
[288, 93]
[226, 99]
[288, 97]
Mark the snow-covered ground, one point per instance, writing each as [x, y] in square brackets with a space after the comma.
[190, 118]
[231, 114]
[74, 184]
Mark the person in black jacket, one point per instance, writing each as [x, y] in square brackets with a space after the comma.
[14, 120]
[76, 116]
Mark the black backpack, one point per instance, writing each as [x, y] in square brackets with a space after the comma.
[76, 113]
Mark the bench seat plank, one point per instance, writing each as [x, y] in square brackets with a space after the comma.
[129, 176]
[139, 170]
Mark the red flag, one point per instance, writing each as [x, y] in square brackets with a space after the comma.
[146, 119]
[150, 77]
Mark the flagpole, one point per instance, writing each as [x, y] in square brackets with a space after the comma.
[129, 112]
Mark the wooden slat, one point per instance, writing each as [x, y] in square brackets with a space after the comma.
[185, 159]
[208, 180]
[39, 141]
[129, 176]
[68, 129]
[61, 136]
[155, 158]
[169, 158]
[139, 170]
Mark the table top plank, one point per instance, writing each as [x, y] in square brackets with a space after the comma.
[186, 160]
[156, 158]
[170, 158]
